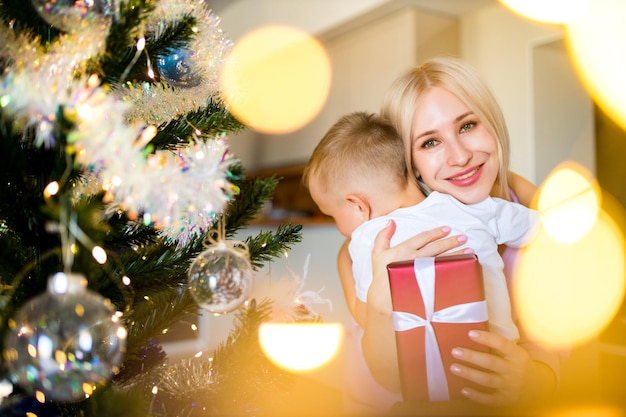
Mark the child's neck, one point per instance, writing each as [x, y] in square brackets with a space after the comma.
[406, 197]
[411, 195]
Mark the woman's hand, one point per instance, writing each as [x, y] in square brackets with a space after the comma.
[379, 337]
[430, 243]
[513, 377]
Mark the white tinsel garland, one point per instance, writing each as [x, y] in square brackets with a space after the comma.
[179, 192]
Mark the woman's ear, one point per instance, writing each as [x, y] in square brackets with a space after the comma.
[360, 204]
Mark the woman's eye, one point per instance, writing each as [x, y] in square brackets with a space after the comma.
[467, 126]
[429, 143]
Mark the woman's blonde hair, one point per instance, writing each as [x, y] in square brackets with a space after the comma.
[460, 79]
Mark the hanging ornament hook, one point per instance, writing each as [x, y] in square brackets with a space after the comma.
[219, 241]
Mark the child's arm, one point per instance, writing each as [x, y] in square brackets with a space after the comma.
[360, 312]
[344, 267]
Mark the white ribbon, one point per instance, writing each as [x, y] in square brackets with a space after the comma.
[462, 313]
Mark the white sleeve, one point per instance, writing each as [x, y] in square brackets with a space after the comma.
[360, 248]
[515, 224]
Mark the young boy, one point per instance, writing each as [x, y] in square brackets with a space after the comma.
[357, 174]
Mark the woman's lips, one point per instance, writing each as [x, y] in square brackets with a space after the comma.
[467, 177]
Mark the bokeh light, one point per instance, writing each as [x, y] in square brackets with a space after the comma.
[549, 11]
[569, 202]
[595, 45]
[566, 294]
[276, 79]
[300, 346]
[586, 411]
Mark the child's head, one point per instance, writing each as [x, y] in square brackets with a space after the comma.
[360, 158]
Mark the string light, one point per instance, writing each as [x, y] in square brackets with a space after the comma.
[40, 396]
[51, 189]
[141, 44]
[197, 131]
[99, 255]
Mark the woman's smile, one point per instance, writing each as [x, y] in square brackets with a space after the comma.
[467, 177]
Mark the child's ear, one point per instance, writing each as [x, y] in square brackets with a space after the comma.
[361, 204]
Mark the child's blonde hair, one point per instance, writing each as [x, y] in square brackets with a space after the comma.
[359, 145]
[455, 76]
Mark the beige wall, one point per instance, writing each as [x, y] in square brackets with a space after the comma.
[386, 37]
[500, 45]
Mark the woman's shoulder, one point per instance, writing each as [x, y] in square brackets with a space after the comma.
[522, 190]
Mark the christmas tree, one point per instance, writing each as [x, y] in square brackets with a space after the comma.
[119, 200]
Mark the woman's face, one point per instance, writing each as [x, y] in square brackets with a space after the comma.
[453, 152]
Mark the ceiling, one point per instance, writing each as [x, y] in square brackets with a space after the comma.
[452, 7]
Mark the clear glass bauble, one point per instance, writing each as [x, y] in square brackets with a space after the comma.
[220, 279]
[64, 342]
[178, 69]
[75, 15]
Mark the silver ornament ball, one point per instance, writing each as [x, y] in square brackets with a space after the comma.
[75, 15]
[64, 342]
[220, 279]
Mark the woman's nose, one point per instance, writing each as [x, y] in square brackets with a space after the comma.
[458, 153]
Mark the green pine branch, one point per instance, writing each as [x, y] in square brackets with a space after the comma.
[121, 40]
[154, 313]
[212, 119]
[268, 245]
[236, 379]
[254, 192]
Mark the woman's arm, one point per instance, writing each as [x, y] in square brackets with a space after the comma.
[523, 189]
[379, 340]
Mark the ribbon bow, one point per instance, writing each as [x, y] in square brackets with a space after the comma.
[462, 313]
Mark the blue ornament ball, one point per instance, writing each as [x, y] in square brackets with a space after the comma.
[178, 69]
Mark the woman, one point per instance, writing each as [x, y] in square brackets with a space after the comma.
[456, 142]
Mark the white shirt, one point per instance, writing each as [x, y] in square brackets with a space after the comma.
[487, 224]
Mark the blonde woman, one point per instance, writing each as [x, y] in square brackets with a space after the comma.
[457, 143]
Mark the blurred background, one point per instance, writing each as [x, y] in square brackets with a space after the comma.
[550, 114]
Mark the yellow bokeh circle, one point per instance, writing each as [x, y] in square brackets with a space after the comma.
[595, 45]
[276, 79]
[300, 346]
[586, 411]
[565, 294]
[549, 11]
[569, 202]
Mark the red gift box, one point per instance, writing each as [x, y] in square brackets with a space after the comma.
[436, 302]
